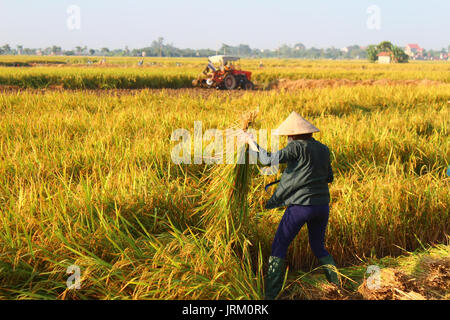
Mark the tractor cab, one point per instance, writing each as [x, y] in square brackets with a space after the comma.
[224, 72]
[224, 62]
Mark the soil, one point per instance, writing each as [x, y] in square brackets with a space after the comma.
[430, 280]
[282, 84]
[431, 283]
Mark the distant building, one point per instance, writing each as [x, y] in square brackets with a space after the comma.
[384, 57]
[414, 51]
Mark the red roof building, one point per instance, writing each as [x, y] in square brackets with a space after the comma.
[385, 57]
[414, 46]
[414, 50]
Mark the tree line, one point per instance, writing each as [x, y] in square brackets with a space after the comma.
[159, 48]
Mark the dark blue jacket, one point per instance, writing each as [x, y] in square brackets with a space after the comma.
[306, 177]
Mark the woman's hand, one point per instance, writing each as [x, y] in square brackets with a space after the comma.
[248, 138]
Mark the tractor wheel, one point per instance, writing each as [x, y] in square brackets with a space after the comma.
[229, 82]
[248, 85]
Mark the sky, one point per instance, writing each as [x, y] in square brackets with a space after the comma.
[264, 24]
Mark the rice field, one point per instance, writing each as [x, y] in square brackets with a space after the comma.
[158, 73]
[86, 179]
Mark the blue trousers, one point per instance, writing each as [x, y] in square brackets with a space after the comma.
[295, 216]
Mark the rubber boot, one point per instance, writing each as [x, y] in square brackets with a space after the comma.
[329, 271]
[275, 277]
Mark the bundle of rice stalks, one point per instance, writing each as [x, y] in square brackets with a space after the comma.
[224, 207]
[224, 212]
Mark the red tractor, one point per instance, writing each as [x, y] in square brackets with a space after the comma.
[221, 73]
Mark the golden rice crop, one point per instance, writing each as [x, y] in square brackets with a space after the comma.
[86, 178]
[123, 73]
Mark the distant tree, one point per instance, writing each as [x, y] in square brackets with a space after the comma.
[285, 51]
[6, 49]
[372, 52]
[29, 51]
[313, 53]
[104, 51]
[399, 55]
[47, 51]
[385, 46]
[157, 45]
[206, 52]
[91, 52]
[299, 46]
[56, 50]
[149, 51]
[226, 49]
[245, 50]
[355, 52]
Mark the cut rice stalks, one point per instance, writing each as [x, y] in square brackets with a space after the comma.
[224, 206]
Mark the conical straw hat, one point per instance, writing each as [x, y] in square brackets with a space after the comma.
[295, 124]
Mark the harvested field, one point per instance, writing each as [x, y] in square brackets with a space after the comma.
[418, 276]
[432, 283]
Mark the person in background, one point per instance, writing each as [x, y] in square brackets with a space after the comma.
[209, 68]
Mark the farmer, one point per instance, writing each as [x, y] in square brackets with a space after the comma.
[209, 68]
[303, 189]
